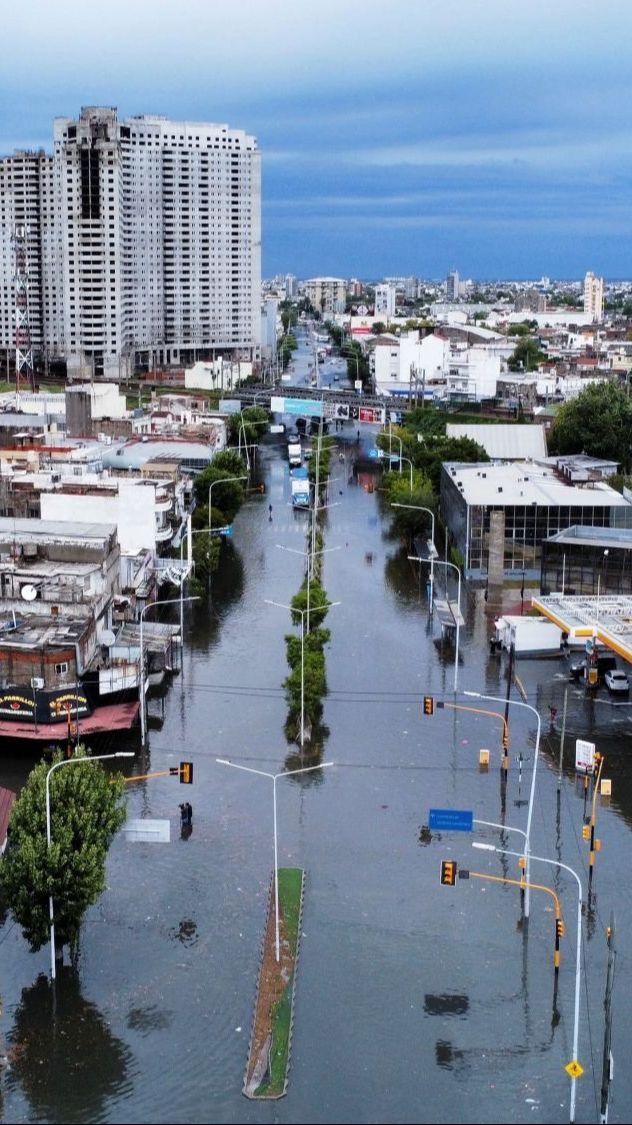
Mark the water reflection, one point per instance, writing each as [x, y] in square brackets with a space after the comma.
[63, 1054]
[446, 1004]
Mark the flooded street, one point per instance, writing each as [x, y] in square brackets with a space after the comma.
[415, 1002]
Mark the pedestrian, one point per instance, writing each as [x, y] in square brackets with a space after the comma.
[189, 812]
[269, 511]
[183, 815]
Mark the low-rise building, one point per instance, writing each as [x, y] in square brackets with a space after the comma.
[499, 515]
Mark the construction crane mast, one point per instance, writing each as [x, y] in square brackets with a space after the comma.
[23, 347]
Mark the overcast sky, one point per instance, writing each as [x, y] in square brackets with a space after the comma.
[399, 138]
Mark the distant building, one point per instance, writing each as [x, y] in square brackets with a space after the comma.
[328, 295]
[530, 301]
[453, 286]
[385, 301]
[593, 296]
[291, 286]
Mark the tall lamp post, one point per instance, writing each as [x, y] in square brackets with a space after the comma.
[578, 951]
[223, 480]
[67, 762]
[314, 609]
[141, 684]
[527, 843]
[415, 558]
[433, 552]
[274, 778]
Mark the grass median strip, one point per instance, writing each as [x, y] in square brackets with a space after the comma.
[271, 1038]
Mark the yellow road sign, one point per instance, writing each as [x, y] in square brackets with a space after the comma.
[574, 1068]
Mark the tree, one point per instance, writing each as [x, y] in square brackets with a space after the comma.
[229, 496]
[248, 424]
[527, 355]
[86, 811]
[597, 422]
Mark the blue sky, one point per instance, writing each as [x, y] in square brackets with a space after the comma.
[490, 137]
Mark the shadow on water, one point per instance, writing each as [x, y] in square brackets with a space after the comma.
[309, 756]
[62, 1053]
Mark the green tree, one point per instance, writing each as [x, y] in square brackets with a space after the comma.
[229, 496]
[251, 422]
[86, 811]
[597, 422]
[527, 355]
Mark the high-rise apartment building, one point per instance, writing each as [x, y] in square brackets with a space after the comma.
[593, 296]
[453, 286]
[26, 201]
[154, 228]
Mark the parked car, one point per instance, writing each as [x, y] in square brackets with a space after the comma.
[617, 682]
[606, 662]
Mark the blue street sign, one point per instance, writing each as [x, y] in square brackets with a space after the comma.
[374, 453]
[309, 406]
[451, 820]
[226, 530]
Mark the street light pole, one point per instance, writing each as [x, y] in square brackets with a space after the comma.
[274, 778]
[224, 480]
[433, 553]
[169, 601]
[527, 850]
[67, 762]
[578, 951]
[415, 558]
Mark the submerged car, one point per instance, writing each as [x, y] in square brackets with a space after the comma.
[617, 682]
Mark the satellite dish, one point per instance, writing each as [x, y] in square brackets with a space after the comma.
[29, 593]
[108, 638]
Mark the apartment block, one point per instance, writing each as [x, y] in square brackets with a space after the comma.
[593, 296]
[146, 241]
[328, 295]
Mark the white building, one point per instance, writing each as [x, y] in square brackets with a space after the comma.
[26, 199]
[593, 296]
[153, 231]
[139, 508]
[385, 302]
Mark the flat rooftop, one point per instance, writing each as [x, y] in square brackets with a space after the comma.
[594, 537]
[508, 485]
[53, 531]
[30, 631]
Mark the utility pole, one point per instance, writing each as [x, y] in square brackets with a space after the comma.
[607, 1063]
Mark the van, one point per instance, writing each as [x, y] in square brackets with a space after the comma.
[606, 662]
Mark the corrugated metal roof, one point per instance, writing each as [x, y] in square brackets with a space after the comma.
[502, 441]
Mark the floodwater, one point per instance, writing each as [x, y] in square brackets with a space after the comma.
[415, 1002]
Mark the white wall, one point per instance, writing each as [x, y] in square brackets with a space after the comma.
[132, 509]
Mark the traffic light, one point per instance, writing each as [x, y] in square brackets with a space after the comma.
[505, 740]
[186, 773]
[428, 705]
[448, 872]
[560, 928]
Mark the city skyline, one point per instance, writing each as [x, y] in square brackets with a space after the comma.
[413, 143]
